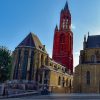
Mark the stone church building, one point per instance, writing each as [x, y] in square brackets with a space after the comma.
[87, 73]
[31, 61]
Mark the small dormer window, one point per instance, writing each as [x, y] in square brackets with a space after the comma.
[50, 64]
[40, 47]
[58, 67]
[62, 69]
[43, 49]
[55, 67]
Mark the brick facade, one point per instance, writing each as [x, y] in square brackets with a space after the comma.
[63, 41]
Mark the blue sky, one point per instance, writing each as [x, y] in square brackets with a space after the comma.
[19, 17]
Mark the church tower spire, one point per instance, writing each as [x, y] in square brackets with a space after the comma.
[63, 40]
[65, 18]
[66, 6]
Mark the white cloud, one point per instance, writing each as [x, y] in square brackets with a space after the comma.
[50, 55]
[73, 26]
[76, 53]
[76, 58]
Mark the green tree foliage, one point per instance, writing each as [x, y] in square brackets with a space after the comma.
[5, 64]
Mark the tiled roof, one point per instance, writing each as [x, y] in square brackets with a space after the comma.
[32, 40]
[93, 41]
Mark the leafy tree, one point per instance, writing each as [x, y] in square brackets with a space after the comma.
[5, 64]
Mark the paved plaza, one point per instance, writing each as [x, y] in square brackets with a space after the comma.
[59, 97]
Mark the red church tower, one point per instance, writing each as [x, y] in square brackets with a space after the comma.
[63, 41]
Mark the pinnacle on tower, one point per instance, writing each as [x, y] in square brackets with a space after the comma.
[56, 28]
[88, 34]
[66, 6]
[84, 38]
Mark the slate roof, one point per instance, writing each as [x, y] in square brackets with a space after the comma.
[93, 41]
[32, 40]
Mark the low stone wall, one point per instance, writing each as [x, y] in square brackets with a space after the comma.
[60, 90]
[20, 95]
[1, 89]
[17, 87]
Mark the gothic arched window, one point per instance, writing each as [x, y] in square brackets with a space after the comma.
[70, 42]
[66, 82]
[93, 58]
[31, 73]
[62, 38]
[59, 80]
[63, 23]
[25, 63]
[46, 61]
[63, 82]
[70, 83]
[62, 41]
[67, 23]
[42, 58]
[88, 78]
